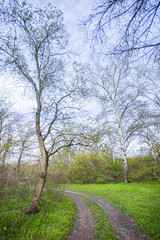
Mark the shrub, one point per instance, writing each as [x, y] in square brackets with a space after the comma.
[142, 169]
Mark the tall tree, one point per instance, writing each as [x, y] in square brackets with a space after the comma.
[33, 45]
[110, 85]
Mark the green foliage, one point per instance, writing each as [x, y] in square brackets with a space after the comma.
[100, 179]
[95, 168]
[9, 145]
[143, 169]
[140, 200]
[99, 168]
[88, 168]
[58, 170]
[54, 216]
[114, 171]
[53, 220]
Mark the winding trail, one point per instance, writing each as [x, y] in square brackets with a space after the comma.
[82, 229]
[124, 228]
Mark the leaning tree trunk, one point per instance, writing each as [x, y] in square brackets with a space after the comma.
[39, 188]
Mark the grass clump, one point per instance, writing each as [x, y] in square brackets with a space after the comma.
[140, 200]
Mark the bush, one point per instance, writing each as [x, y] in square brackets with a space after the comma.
[94, 168]
[100, 180]
[143, 169]
[87, 168]
[99, 168]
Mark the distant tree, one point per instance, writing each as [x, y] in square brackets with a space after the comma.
[4, 114]
[87, 168]
[33, 46]
[110, 86]
[108, 140]
[146, 125]
[23, 136]
[6, 147]
[8, 119]
[127, 26]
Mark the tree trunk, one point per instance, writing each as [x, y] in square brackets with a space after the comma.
[113, 156]
[39, 188]
[123, 146]
[125, 167]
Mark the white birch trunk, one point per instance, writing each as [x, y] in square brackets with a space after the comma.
[113, 156]
[123, 146]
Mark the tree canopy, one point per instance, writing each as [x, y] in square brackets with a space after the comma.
[126, 26]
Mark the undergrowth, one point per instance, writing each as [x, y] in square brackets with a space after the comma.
[53, 220]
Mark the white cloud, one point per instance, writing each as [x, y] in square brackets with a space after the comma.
[15, 95]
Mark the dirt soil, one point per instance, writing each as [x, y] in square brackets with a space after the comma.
[123, 226]
[82, 229]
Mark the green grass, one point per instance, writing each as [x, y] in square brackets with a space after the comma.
[53, 220]
[102, 229]
[140, 200]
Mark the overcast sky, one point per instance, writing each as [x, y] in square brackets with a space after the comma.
[73, 11]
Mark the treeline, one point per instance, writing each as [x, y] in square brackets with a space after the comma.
[99, 168]
[85, 168]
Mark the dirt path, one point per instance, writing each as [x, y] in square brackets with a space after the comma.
[124, 228]
[82, 229]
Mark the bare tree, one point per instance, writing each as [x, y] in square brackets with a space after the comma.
[110, 85]
[32, 45]
[24, 134]
[145, 125]
[6, 148]
[4, 109]
[134, 25]
[7, 124]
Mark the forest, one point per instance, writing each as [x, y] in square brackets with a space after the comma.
[89, 124]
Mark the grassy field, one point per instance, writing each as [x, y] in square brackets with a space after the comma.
[53, 220]
[140, 200]
[55, 215]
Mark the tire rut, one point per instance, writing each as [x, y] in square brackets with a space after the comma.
[123, 227]
[83, 225]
